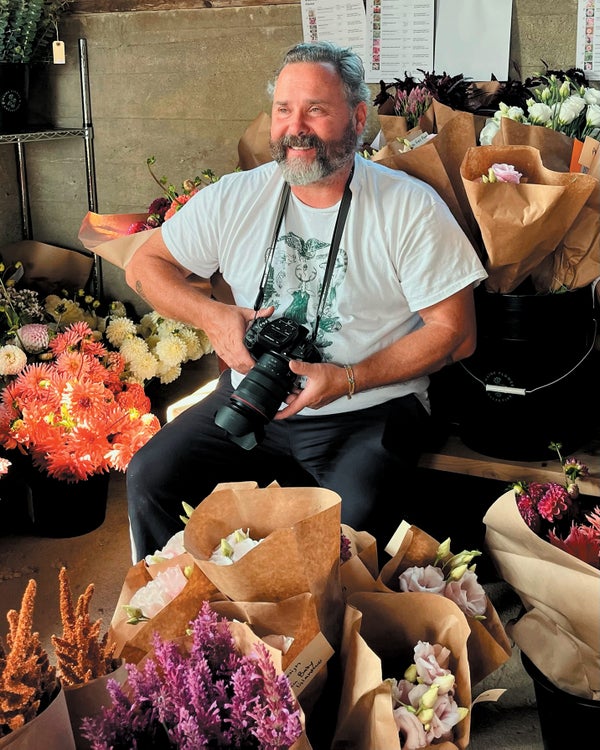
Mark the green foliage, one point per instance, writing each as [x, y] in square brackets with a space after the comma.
[27, 29]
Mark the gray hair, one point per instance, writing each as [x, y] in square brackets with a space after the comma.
[347, 63]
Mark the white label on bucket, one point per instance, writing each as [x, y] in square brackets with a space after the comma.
[506, 389]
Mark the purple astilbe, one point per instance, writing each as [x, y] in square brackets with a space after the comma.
[212, 696]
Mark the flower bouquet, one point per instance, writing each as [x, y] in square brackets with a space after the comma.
[33, 709]
[219, 686]
[383, 633]
[293, 523]
[74, 416]
[420, 564]
[545, 541]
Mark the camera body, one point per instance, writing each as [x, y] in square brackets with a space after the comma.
[282, 336]
[258, 397]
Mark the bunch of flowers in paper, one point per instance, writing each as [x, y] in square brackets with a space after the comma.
[559, 103]
[423, 700]
[452, 576]
[554, 512]
[172, 198]
[74, 415]
[206, 695]
[233, 547]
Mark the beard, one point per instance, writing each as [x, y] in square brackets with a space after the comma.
[330, 156]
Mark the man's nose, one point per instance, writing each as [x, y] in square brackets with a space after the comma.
[298, 125]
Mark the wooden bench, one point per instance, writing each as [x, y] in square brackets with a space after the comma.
[456, 458]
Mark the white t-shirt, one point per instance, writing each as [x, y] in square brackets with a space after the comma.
[401, 251]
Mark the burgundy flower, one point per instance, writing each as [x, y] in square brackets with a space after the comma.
[527, 509]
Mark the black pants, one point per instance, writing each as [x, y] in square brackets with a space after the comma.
[367, 456]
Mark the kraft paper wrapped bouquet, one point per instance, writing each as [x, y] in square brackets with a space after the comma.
[420, 563]
[299, 551]
[545, 542]
[382, 634]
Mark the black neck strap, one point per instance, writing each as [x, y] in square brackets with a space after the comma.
[333, 248]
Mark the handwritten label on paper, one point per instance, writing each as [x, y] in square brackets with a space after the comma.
[308, 663]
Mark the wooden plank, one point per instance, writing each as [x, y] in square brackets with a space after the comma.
[456, 458]
[129, 6]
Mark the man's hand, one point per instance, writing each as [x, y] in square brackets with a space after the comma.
[321, 384]
[226, 329]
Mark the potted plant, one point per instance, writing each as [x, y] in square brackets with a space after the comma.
[27, 30]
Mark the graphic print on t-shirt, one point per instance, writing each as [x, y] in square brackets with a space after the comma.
[295, 281]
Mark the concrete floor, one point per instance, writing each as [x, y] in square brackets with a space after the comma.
[103, 557]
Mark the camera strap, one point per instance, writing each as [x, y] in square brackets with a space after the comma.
[333, 247]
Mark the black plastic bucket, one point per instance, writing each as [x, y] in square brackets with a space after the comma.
[563, 716]
[14, 97]
[533, 377]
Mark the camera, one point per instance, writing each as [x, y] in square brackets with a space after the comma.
[258, 397]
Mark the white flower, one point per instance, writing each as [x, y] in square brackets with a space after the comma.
[592, 116]
[12, 359]
[489, 130]
[513, 113]
[539, 113]
[591, 96]
[119, 329]
[570, 109]
[171, 350]
[233, 547]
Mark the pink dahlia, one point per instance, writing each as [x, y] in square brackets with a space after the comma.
[34, 337]
[555, 502]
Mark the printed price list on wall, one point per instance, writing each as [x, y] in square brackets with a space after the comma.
[588, 38]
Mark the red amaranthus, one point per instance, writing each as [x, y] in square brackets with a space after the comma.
[75, 416]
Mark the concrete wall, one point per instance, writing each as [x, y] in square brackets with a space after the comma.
[182, 85]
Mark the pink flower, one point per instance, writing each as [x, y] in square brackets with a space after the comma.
[411, 729]
[431, 661]
[5, 464]
[502, 173]
[34, 337]
[528, 510]
[555, 502]
[468, 594]
[582, 542]
[429, 579]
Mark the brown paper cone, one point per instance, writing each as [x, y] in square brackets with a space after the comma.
[488, 645]
[106, 235]
[380, 633]
[299, 551]
[559, 592]
[48, 267]
[253, 147]
[555, 148]
[523, 223]
[360, 572]
[51, 730]
[88, 700]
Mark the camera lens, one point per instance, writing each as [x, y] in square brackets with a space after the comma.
[256, 400]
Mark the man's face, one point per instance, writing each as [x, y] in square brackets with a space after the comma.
[313, 131]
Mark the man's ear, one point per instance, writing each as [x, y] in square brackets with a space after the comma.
[360, 117]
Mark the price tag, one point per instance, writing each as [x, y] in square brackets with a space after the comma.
[58, 52]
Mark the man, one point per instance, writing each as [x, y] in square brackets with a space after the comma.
[398, 305]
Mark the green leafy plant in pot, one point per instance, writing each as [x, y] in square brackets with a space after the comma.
[27, 30]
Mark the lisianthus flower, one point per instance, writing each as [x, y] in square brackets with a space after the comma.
[150, 599]
[502, 173]
[5, 465]
[468, 594]
[429, 579]
[233, 547]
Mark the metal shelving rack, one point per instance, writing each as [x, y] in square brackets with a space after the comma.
[86, 132]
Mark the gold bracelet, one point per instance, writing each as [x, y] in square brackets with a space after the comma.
[351, 381]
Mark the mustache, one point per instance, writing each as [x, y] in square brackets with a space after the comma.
[301, 141]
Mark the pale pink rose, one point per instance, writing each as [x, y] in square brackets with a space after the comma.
[468, 594]
[4, 466]
[428, 579]
[159, 592]
[173, 548]
[410, 728]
